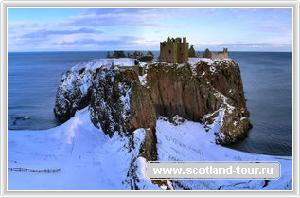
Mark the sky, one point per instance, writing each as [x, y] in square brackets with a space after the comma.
[93, 29]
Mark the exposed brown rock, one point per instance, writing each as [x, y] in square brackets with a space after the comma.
[194, 92]
[225, 77]
[142, 110]
[114, 114]
[175, 91]
[234, 126]
[120, 103]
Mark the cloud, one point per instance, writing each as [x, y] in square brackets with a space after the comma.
[83, 29]
[117, 17]
[122, 43]
[45, 33]
[136, 28]
[276, 28]
[245, 46]
[47, 37]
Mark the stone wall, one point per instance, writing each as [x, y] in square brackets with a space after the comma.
[220, 55]
[168, 52]
[182, 52]
[174, 51]
[216, 55]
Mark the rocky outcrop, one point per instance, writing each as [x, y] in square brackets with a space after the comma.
[192, 52]
[176, 91]
[121, 100]
[120, 104]
[224, 78]
[196, 91]
[73, 93]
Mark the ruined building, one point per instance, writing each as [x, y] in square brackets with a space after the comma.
[174, 50]
[214, 56]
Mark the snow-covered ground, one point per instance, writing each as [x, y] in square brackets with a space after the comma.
[78, 156]
[86, 158]
[94, 64]
[193, 61]
[188, 141]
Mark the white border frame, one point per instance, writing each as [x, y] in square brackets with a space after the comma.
[139, 4]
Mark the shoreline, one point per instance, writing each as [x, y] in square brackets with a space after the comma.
[249, 149]
[71, 147]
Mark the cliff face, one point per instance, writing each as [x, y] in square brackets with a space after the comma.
[73, 93]
[119, 104]
[199, 92]
[122, 101]
[177, 91]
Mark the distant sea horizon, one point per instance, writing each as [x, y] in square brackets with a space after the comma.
[33, 79]
[138, 50]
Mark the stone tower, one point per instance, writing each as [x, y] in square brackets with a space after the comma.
[174, 50]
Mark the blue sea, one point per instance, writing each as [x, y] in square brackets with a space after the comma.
[33, 78]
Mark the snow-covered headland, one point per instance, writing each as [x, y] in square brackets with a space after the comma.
[116, 119]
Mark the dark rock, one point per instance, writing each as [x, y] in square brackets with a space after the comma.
[175, 91]
[146, 58]
[192, 52]
[116, 54]
[207, 53]
[73, 93]
[120, 103]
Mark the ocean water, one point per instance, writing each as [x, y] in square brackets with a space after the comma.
[33, 79]
[267, 81]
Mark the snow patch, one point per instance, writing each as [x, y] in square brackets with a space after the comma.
[193, 61]
[143, 79]
[190, 141]
[86, 157]
[229, 107]
[125, 98]
[141, 164]
[212, 69]
[72, 130]
[105, 62]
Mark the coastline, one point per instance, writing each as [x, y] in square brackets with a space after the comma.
[79, 143]
[77, 148]
[253, 71]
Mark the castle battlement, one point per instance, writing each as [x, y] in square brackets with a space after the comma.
[174, 50]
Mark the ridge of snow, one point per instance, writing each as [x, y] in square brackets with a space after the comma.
[104, 62]
[86, 157]
[193, 61]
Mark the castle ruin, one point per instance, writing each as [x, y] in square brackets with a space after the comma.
[174, 50]
[216, 55]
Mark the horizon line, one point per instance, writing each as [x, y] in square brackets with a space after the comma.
[134, 50]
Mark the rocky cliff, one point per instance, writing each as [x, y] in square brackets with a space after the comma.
[122, 100]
